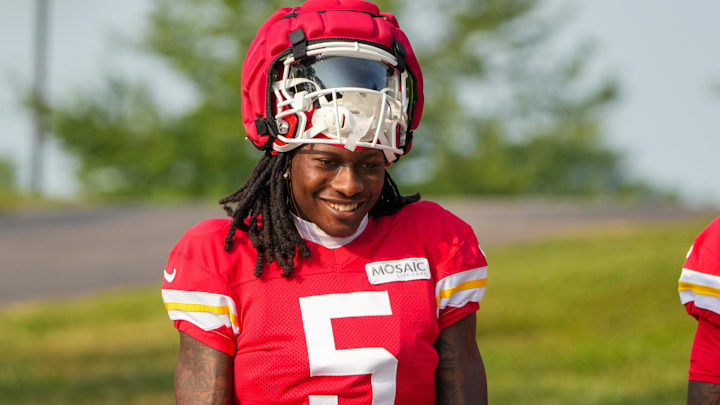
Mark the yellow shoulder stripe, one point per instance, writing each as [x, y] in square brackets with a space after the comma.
[468, 285]
[213, 309]
[699, 289]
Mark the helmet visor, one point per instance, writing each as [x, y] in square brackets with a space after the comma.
[340, 71]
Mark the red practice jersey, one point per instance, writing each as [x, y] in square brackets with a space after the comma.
[699, 288]
[354, 324]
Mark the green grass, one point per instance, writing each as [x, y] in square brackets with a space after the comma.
[584, 320]
[115, 349]
[588, 320]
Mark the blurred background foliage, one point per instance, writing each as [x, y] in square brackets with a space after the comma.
[504, 114]
[7, 177]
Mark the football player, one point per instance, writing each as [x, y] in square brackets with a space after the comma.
[326, 285]
[699, 288]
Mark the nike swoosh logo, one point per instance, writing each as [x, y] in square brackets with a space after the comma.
[170, 276]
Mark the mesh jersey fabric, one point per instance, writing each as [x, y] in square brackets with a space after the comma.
[328, 330]
[699, 288]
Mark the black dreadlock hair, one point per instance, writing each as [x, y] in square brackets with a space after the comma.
[261, 208]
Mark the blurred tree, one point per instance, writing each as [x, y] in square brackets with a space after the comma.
[7, 175]
[508, 113]
[8, 183]
[502, 114]
[128, 145]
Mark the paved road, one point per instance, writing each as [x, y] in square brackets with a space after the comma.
[68, 252]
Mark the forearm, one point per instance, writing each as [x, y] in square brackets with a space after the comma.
[703, 393]
[202, 375]
[460, 377]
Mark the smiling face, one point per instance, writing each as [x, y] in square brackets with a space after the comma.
[334, 188]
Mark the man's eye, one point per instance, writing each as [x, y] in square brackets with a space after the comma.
[326, 162]
[370, 165]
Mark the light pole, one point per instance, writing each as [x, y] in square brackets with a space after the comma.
[39, 103]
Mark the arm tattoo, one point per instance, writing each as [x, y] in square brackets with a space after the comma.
[203, 375]
[460, 376]
[703, 393]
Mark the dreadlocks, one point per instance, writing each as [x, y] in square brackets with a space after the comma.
[261, 208]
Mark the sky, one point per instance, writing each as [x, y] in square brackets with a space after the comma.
[663, 52]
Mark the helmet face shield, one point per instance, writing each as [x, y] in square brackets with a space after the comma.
[347, 94]
[342, 71]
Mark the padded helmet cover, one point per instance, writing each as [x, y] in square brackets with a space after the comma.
[320, 20]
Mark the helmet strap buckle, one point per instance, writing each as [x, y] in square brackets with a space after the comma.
[299, 43]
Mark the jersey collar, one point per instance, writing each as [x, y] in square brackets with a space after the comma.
[311, 232]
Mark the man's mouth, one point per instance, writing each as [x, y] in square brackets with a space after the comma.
[343, 207]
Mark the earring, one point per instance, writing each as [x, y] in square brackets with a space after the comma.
[289, 198]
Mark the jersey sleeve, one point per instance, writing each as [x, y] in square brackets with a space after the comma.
[461, 281]
[699, 288]
[198, 300]
[699, 282]
[705, 354]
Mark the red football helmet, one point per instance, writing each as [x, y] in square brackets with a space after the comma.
[332, 71]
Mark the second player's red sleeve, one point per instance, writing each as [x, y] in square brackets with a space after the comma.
[705, 354]
[699, 288]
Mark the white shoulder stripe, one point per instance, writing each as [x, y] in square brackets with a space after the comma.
[207, 311]
[461, 288]
[709, 302]
[696, 277]
[456, 279]
[197, 297]
[461, 298]
[703, 289]
[203, 320]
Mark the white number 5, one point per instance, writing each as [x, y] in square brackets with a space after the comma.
[325, 360]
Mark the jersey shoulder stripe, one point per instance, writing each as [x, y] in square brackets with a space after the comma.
[207, 311]
[692, 277]
[456, 290]
[702, 288]
[700, 277]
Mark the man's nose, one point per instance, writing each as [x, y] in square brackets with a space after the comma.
[347, 181]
